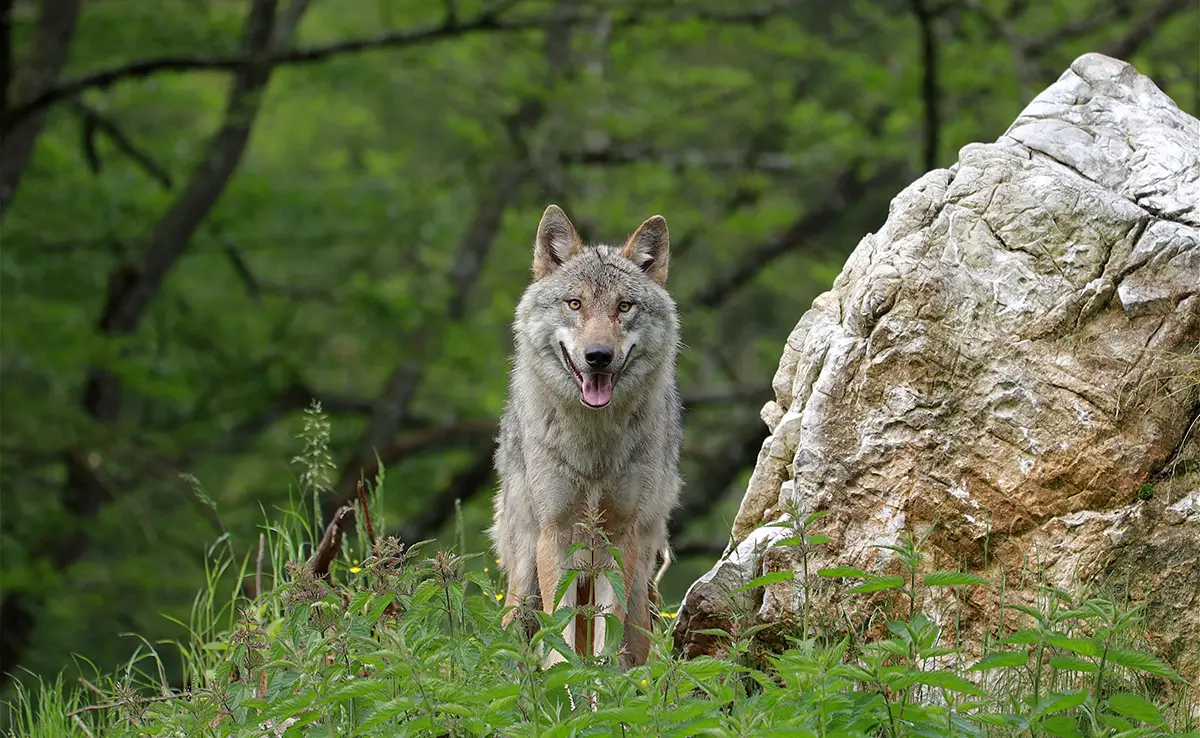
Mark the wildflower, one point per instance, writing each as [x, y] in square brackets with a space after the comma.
[668, 615]
[355, 569]
[485, 569]
[643, 682]
[499, 597]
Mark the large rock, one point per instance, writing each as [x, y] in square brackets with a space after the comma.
[1013, 358]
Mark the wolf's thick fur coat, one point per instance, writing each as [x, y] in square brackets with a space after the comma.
[592, 420]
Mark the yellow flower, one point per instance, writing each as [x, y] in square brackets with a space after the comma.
[499, 597]
[643, 682]
[485, 570]
[668, 615]
[355, 570]
[497, 561]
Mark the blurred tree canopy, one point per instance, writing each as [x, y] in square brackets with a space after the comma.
[215, 211]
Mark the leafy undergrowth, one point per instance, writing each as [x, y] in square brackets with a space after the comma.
[398, 641]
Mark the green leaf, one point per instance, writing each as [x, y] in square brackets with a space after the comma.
[388, 711]
[789, 541]
[1118, 724]
[564, 583]
[952, 579]
[1134, 706]
[618, 584]
[718, 632]
[1059, 702]
[765, 579]
[1141, 662]
[1030, 611]
[988, 718]
[1000, 660]
[616, 554]
[1070, 663]
[817, 539]
[879, 583]
[1081, 646]
[1021, 637]
[814, 517]
[1061, 725]
[950, 681]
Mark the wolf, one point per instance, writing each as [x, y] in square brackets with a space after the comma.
[592, 421]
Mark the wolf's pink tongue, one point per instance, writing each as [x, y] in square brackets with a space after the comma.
[597, 389]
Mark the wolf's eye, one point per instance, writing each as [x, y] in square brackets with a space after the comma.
[574, 304]
[625, 306]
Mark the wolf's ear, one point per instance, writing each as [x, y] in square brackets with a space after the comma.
[556, 242]
[649, 248]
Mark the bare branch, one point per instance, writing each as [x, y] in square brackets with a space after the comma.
[242, 270]
[95, 122]
[132, 286]
[930, 94]
[6, 54]
[1086, 25]
[496, 196]
[1003, 29]
[463, 486]
[617, 155]
[488, 22]
[1140, 32]
[848, 188]
[392, 405]
[39, 74]
[127, 305]
[714, 479]
[707, 549]
[726, 395]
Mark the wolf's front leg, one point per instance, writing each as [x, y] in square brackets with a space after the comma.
[551, 550]
[629, 546]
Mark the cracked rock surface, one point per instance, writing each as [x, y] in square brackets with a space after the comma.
[1012, 358]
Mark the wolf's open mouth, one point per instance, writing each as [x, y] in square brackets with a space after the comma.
[595, 388]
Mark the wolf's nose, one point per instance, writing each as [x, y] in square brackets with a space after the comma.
[598, 357]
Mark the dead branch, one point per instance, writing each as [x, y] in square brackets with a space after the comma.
[258, 565]
[331, 543]
[366, 513]
[132, 701]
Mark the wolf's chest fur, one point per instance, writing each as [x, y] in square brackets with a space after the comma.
[590, 459]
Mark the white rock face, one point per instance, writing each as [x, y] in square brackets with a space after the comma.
[1011, 358]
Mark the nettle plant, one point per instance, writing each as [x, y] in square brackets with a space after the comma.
[365, 635]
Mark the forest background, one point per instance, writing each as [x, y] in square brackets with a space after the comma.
[216, 211]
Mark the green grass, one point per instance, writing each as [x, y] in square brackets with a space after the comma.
[404, 641]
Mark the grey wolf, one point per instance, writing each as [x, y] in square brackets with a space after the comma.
[592, 421]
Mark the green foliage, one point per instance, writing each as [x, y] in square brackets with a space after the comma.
[397, 642]
[412, 645]
[327, 265]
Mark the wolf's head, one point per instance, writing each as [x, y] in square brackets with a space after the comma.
[597, 322]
